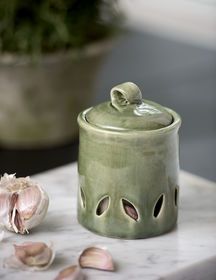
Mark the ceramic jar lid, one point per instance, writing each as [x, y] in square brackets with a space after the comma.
[128, 111]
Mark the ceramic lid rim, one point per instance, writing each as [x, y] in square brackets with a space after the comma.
[176, 123]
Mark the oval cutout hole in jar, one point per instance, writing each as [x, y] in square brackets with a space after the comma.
[158, 206]
[130, 210]
[176, 197]
[83, 198]
[102, 205]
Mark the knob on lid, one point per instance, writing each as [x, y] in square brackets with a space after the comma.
[128, 111]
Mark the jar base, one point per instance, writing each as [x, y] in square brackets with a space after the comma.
[135, 236]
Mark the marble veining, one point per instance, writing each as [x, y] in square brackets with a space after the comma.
[188, 252]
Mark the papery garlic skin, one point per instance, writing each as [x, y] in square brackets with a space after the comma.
[23, 204]
[33, 253]
[31, 256]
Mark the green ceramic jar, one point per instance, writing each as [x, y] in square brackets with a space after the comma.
[128, 166]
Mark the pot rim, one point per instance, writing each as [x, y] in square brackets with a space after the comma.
[82, 121]
[89, 50]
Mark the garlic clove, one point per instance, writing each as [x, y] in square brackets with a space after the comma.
[15, 217]
[98, 258]
[23, 204]
[40, 212]
[28, 201]
[130, 210]
[71, 273]
[31, 256]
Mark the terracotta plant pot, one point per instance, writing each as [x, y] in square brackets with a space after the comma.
[39, 102]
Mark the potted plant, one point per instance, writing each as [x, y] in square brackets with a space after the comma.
[50, 51]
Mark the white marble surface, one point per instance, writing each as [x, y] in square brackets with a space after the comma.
[188, 252]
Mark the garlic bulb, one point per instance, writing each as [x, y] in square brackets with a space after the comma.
[31, 256]
[23, 204]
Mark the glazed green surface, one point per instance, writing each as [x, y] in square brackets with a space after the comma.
[139, 167]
